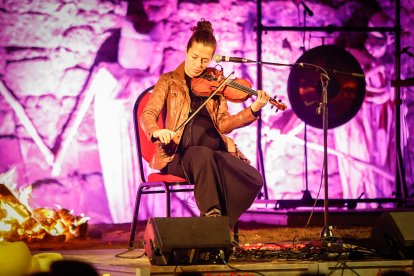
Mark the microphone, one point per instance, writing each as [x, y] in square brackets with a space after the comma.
[325, 71]
[219, 58]
[307, 9]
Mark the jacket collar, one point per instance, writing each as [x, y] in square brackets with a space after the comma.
[179, 71]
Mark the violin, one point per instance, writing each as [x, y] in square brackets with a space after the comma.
[236, 90]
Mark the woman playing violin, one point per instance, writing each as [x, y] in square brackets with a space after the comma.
[225, 183]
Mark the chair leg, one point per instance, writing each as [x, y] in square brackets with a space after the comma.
[135, 219]
[167, 199]
[168, 203]
[236, 232]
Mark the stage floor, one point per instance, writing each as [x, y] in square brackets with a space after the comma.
[104, 242]
[104, 261]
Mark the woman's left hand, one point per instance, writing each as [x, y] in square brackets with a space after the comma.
[261, 100]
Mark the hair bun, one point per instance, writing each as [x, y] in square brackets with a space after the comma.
[203, 25]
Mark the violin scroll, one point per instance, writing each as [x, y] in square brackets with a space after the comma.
[278, 104]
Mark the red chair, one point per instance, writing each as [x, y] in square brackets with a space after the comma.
[153, 183]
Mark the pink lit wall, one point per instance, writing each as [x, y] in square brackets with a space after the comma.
[71, 71]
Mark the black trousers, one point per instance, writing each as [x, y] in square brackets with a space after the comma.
[221, 180]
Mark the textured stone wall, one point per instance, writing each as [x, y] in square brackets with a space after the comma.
[70, 72]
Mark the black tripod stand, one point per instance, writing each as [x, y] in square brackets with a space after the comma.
[306, 199]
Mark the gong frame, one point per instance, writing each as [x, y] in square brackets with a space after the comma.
[401, 190]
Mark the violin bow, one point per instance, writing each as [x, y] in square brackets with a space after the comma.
[204, 103]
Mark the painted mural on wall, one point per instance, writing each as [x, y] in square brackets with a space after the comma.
[71, 71]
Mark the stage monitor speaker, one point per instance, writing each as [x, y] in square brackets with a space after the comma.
[190, 240]
[392, 235]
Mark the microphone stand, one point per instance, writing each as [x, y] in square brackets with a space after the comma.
[323, 110]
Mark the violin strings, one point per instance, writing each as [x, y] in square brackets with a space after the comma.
[242, 87]
[246, 89]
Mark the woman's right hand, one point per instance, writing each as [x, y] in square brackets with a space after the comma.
[164, 135]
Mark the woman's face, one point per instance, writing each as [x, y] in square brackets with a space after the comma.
[197, 59]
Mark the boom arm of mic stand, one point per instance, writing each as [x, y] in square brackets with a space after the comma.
[300, 64]
[309, 65]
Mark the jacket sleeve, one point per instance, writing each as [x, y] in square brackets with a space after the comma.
[154, 107]
[226, 123]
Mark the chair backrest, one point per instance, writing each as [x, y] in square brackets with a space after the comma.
[145, 148]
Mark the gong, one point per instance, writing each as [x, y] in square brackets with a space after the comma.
[346, 87]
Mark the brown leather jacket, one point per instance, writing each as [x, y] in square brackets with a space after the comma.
[171, 91]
